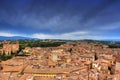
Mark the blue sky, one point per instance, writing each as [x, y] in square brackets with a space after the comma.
[60, 19]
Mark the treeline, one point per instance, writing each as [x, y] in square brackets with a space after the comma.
[38, 43]
[45, 44]
[114, 45]
[1, 44]
[5, 57]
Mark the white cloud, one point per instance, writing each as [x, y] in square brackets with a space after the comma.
[9, 34]
[72, 36]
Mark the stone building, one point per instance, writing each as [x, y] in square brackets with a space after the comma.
[9, 48]
[87, 57]
[117, 65]
[93, 74]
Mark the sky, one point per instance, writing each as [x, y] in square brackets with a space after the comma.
[60, 19]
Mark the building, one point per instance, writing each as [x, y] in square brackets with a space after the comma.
[8, 48]
[87, 57]
[117, 65]
[93, 74]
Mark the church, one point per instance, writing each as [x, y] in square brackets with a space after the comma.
[8, 48]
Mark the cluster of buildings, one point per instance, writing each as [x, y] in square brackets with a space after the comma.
[70, 61]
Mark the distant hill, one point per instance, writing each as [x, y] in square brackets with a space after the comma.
[88, 40]
[13, 38]
[116, 40]
[110, 40]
